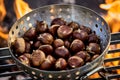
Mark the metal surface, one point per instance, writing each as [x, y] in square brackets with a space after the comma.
[70, 13]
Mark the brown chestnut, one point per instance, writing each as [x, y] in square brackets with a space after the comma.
[75, 62]
[24, 60]
[81, 54]
[64, 31]
[93, 38]
[59, 21]
[46, 38]
[53, 29]
[86, 29]
[61, 64]
[88, 57]
[47, 49]
[27, 47]
[67, 44]
[77, 45]
[37, 57]
[93, 48]
[28, 55]
[19, 46]
[48, 63]
[58, 43]
[80, 34]
[30, 34]
[41, 27]
[37, 44]
[73, 25]
[62, 52]
[95, 56]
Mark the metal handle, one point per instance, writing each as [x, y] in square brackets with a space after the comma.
[4, 51]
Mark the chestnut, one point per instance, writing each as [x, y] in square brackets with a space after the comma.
[62, 52]
[93, 38]
[24, 60]
[28, 55]
[61, 64]
[37, 44]
[95, 56]
[77, 45]
[67, 44]
[58, 43]
[19, 46]
[46, 38]
[41, 27]
[86, 29]
[53, 29]
[75, 62]
[48, 63]
[47, 49]
[59, 21]
[80, 34]
[37, 57]
[88, 57]
[27, 47]
[81, 54]
[64, 31]
[73, 25]
[93, 48]
[30, 34]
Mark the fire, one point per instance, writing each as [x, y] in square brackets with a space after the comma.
[21, 8]
[2, 10]
[113, 19]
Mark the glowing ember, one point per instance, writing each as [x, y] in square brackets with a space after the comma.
[21, 8]
[2, 10]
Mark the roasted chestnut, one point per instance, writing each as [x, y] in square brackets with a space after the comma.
[47, 49]
[88, 57]
[61, 64]
[77, 45]
[30, 34]
[81, 54]
[28, 55]
[41, 27]
[62, 52]
[27, 47]
[58, 43]
[19, 46]
[24, 60]
[37, 57]
[67, 44]
[58, 21]
[73, 25]
[86, 29]
[46, 38]
[75, 62]
[53, 30]
[93, 38]
[95, 56]
[37, 44]
[93, 48]
[80, 34]
[48, 63]
[64, 31]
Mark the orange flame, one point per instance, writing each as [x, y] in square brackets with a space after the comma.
[2, 10]
[21, 8]
[113, 19]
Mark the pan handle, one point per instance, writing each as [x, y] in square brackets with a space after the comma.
[4, 51]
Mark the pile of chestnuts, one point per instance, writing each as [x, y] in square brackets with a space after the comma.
[60, 46]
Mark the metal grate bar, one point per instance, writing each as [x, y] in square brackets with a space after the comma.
[112, 68]
[111, 59]
[114, 50]
[5, 57]
[115, 36]
[11, 73]
[115, 42]
[113, 76]
[7, 66]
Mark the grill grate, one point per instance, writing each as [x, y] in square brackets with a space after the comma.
[114, 40]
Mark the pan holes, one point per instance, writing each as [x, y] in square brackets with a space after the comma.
[101, 29]
[59, 76]
[60, 9]
[77, 77]
[105, 36]
[68, 75]
[21, 22]
[28, 18]
[16, 27]
[19, 33]
[25, 70]
[33, 72]
[96, 25]
[50, 76]
[34, 15]
[97, 19]
[102, 23]
[35, 77]
[41, 75]
[24, 29]
[60, 16]
[52, 17]
[77, 73]
[68, 16]
[30, 24]
[51, 10]
[90, 22]
[12, 32]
